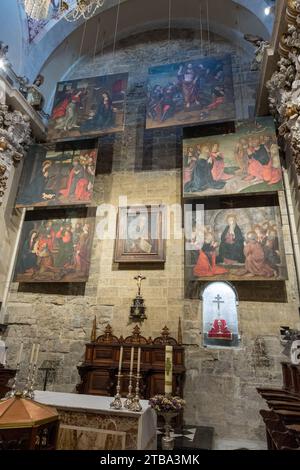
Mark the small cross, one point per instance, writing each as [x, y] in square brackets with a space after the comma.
[218, 301]
[139, 280]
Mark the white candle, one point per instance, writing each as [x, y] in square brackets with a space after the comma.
[32, 354]
[20, 353]
[37, 353]
[120, 360]
[139, 362]
[131, 360]
[169, 370]
[5, 357]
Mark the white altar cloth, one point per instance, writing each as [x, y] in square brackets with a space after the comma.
[81, 410]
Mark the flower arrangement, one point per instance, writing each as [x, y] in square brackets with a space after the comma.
[166, 403]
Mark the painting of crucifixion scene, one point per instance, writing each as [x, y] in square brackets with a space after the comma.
[236, 244]
[246, 161]
[88, 107]
[56, 248]
[57, 178]
[196, 91]
[220, 316]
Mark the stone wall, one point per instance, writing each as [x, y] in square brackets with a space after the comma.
[145, 167]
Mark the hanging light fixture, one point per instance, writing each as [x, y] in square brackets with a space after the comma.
[37, 9]
[71, 10]
[76, 9]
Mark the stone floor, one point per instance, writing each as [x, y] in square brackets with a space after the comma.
[233, 444]
[202, 437]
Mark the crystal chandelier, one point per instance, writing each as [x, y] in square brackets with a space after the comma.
[71, 10]
[37, 9]
[76, 9]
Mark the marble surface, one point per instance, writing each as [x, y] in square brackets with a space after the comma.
[88, 423]
[87, 403]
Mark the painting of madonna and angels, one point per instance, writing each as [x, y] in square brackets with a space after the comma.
[190, 92]
[236, 244]
[246, 161]
[57, 178]
[55, 247]
[88, 107]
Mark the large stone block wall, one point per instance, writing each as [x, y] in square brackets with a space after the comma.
[144, 166]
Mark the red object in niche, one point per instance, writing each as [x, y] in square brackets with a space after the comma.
[220, 330]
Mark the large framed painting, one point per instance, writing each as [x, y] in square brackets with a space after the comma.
[243, 244]
[140, 235]
[192, 92]
[88, 107]
[57, 178]
[246, 161]
[55, 246]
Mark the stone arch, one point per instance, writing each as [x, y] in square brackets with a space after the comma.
[220, 315]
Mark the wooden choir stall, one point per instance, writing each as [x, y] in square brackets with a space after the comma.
[99, 371]
[283, 419]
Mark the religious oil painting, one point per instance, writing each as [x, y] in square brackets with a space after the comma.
[140, 235]
[246, 161]
[190, 92]
[219, 315]
[55, 246]
[57, 178]
[88, 107]
[236, 244]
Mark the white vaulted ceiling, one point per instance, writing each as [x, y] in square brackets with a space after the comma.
[57, 46]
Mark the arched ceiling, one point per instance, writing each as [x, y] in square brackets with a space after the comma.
[55, 44]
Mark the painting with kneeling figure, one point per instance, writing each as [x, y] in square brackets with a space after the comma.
[88, 107]
[236, 244]
[57, 178]
[246, 161]
[55, 246]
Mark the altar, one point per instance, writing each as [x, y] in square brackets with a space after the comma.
[88, 423]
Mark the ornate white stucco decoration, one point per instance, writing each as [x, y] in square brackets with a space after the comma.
[15, 137]
[260, 46]
[284, 85]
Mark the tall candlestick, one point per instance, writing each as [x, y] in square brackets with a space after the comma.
[131, 360]
[20, 353]
[5, 357]
[138, 362]
[37, 353]
[32, 354]
[120, 360]
[169, 370]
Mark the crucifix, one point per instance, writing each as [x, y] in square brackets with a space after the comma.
[139, 280]
[218, 301]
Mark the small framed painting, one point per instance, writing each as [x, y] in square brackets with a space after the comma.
[140, 235]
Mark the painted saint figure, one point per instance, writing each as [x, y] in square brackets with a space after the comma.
[206, 264]
[77, 183]
[218, 165]
[255, 262]
[188, 78]
[260, 164]
[202, 177]
[231, 249]
[103, 118]
[82, 250]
